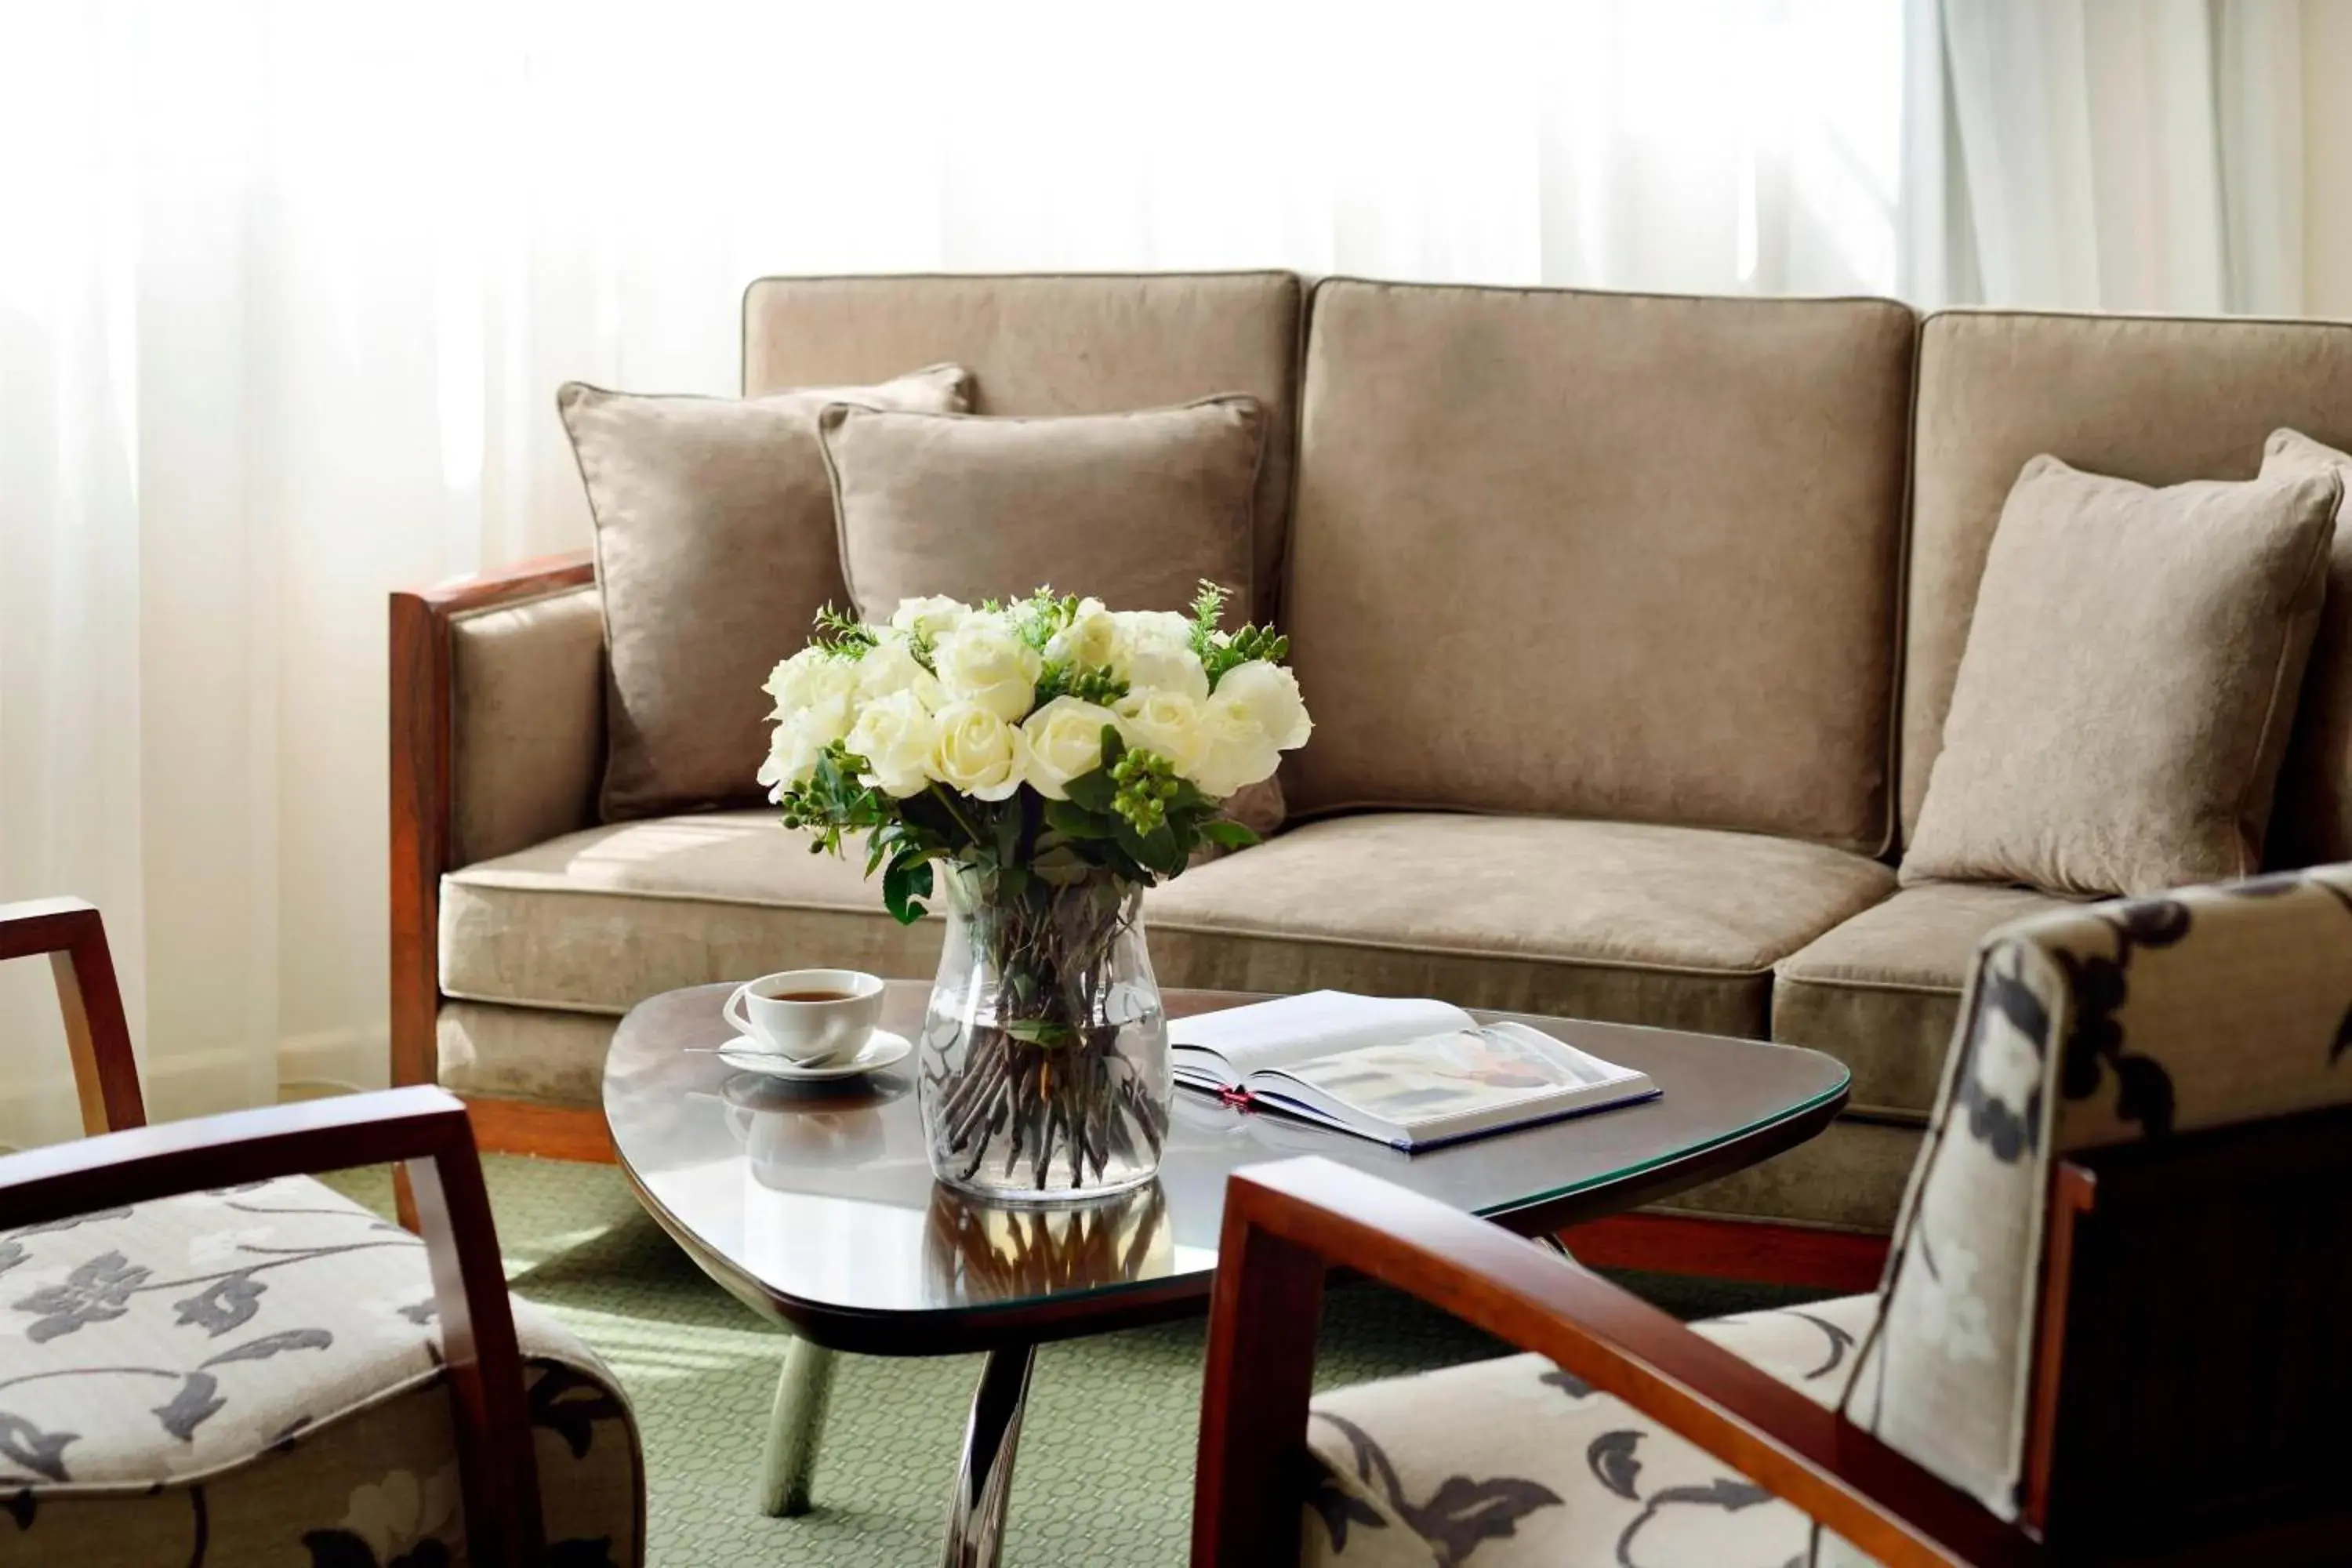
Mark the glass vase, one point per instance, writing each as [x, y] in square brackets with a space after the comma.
[1044, 1052]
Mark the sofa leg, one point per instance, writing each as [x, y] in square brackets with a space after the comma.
[1759, 1251]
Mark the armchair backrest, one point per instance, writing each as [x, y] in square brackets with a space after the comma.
[2141, 1112]
[73, 936]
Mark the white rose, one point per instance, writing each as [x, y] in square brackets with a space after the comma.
[890, 666]
[933, 616]
[1270, 695]
[893, 735]
[1236, 751]
[1168, 722]
[793, 753]
[817, 691]
[1155, 654]
[1091, 641]
[984, 662]
[1065, 742]
[974, 750]
[1153, 626]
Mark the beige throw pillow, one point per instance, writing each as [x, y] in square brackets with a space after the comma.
[715, 546]
[1134, 508]
[2313, 823]
[2129, 683]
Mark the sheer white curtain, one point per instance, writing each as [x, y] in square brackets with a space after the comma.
[2119, 154]
[286, 289]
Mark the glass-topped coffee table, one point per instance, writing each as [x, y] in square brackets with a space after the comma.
[813, 1205]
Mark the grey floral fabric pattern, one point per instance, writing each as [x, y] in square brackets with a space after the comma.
[2117, 1022]
[1515, 1464]
[256, 1371]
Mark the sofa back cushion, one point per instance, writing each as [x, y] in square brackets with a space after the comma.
[1601, 555]
[1070, 343]
[2156, 399]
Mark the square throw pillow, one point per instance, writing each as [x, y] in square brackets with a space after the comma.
[2312, 824]
[1135, 510]
[715, 547]
[2129, 680]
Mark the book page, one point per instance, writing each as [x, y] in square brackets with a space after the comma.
[1314, 1023]
[1419, 1081]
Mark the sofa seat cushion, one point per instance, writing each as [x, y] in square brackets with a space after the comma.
[1512, 1462]
[597, 921]
[230, 1376]
[487, 1049]
[1882, 992]
[1677, 928]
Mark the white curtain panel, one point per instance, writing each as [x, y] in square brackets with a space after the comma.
[2123, 154]
[285, 290]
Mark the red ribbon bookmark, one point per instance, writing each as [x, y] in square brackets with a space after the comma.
[1237, 1096]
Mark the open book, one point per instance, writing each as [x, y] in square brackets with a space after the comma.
[1409, 1073]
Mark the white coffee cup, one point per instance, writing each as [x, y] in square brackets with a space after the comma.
[834, 1014]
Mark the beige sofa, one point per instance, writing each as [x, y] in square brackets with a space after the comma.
[1628, 622]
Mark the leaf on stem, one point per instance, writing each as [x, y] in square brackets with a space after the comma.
[906, 884]
[1227, 833]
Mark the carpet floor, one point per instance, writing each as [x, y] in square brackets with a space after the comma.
[1104, 1476]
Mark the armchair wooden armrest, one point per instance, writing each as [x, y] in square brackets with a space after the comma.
[1286, 1224]
[427, 1130]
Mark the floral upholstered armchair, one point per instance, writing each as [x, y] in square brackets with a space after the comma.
[2112, 1327]
[208, 1360]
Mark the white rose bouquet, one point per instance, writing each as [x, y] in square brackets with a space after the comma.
[1049, 759]
[1049, 738]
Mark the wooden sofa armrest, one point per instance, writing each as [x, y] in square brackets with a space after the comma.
[106, 1073]
[424, 1129]
[424, 744]
[1286, 1224]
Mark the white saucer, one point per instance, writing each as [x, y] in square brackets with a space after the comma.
[881, 1049]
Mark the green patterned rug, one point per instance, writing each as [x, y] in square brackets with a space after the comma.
[1105, 1467]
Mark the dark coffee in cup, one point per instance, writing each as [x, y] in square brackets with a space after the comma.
[811, 996]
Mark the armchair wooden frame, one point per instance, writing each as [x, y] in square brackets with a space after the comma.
[2168, 1421]
[422, 1128]
[1287, 1223]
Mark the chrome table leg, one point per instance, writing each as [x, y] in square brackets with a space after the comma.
[984, 1480]
[795, 1427]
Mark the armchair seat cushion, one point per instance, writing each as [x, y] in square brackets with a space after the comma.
[1881, 991]
[1673, 926]
[1514, 1464]
[233, 1376]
